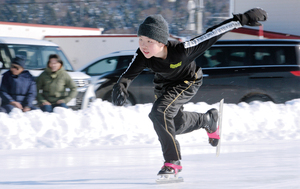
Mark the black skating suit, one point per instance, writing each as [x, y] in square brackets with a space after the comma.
[177, 79]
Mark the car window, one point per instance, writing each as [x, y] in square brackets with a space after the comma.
[275, 55]
[262, 56]
[37, 56]
[33, 59]
[102, 66]
[5, 59]
[223, 57]
[124, 62]
[46, 51]
[109, 64]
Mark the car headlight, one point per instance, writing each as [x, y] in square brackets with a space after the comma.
[82, 82]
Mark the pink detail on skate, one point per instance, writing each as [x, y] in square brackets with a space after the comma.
[173, 166]
[214, 135]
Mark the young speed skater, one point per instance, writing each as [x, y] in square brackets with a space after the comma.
[177, 79]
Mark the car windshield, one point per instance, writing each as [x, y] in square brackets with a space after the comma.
[108, 64]
[37, 56]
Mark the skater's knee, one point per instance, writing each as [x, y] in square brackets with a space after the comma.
[154, 114]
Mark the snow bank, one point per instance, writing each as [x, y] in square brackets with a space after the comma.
[104, 124]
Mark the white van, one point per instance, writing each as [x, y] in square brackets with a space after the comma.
[37, 53]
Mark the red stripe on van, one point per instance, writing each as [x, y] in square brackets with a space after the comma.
[295, 73]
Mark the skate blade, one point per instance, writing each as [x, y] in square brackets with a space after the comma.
[218, 149]
[165, 179]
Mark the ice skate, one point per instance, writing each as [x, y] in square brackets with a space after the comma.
[211, 126]
[169, 172]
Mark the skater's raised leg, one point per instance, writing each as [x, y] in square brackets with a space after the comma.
[186, 122]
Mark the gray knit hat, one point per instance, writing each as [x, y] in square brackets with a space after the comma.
[155, 27]
[19, 60]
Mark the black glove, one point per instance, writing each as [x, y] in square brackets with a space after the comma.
[119, 94]
[252, 16]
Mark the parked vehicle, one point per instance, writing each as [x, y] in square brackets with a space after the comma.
[37, 53]
[236, 70]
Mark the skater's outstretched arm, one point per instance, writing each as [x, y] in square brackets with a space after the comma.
[196, 46]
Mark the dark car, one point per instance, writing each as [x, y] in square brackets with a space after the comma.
[236, 70]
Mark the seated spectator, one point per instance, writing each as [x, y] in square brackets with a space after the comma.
[18, 88]
[52, 85]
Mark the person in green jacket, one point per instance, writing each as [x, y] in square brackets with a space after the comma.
[52, 85]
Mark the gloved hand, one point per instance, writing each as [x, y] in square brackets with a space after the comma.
[252, 16]
[119, 94]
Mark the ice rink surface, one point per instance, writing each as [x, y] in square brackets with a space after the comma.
[106, 146]
[259, 165]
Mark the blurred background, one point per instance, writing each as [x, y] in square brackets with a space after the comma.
[186, 17]
[117, 16]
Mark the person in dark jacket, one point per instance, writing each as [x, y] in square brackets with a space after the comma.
[18, 87]
[177, 79]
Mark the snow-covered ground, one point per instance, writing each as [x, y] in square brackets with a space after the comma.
[106, 146]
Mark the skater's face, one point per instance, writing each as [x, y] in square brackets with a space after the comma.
[151, 47]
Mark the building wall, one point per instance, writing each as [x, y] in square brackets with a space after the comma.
[38, 31]
[83, 49]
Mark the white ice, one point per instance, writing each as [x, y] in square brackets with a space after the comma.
[106, 146]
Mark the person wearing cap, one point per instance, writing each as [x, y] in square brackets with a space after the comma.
[18, 87]
[177, 79]
[52, 85]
